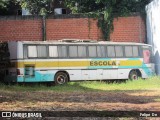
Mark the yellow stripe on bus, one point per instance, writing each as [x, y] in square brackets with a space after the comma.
[54, 64]
[42, 64]
[130, 63]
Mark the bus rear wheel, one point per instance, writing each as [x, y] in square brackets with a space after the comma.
[133, 75]
[61, 78]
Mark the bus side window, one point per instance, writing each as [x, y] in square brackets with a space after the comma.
[101, 51]
[32, 51]
[42, 51]
[111, 51]
[92, 51]
[119, 51]
[25, 51]
[82, 51]
[53, 52]
[135, 51]
[62, 51]
[128, 51]
[73, 51]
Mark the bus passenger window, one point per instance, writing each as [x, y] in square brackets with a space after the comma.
[25, 51]
[53, 52]
[42, 51]
[32, 51]
[82, 51]
[135, 51]
[128, 51]
[119, 51]
[73, 51]
[62, 51]
[111, 51]
[101, 51]
[92, 51]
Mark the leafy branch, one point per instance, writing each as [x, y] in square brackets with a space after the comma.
[104, 10]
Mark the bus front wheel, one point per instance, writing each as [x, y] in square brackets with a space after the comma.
[61, 78]
[133, 75]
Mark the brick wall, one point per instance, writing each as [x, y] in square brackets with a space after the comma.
[126, 29]
[130, 29]
[81, 28]
[20, 29]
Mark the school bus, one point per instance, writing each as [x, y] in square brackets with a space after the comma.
[77, 60]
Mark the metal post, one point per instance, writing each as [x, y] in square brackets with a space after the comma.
[44, 27]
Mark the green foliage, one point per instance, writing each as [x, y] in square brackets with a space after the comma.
[7, 6]
[4, 3]
[37, 7]
[105, 10]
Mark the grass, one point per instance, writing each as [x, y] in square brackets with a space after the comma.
[141, 84]
[139, 95]
[152, 83]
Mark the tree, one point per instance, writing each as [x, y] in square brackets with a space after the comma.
[4, 3]
[7, 7]
[3, 6]
[37, 7]
[105, 10]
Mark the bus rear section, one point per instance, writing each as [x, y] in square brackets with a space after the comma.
[29, 63]
[4, 60]
[14, 54]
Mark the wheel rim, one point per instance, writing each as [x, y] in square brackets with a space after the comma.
[61, 79]
[134, 77]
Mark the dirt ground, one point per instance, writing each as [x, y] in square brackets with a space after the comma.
[81, 101]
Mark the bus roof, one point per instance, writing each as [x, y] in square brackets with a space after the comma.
[80, 42]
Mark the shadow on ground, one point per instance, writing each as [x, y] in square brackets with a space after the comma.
[87, 95]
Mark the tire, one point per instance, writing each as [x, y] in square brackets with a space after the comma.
[133, 75]
[61, 78]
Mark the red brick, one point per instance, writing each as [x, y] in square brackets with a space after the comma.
[126, 29]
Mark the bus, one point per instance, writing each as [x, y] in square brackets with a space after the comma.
[77, 60]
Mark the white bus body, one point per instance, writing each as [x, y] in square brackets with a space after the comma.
[60, 62]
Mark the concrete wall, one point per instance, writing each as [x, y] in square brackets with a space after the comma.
[153, 30]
